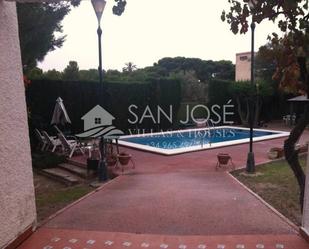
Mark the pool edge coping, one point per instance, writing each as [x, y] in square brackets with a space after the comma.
[197, 148]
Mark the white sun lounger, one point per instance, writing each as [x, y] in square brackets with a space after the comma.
[42, 140]
[52, 142]
[70, 146]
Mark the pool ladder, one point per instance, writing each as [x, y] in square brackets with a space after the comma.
[209, 125]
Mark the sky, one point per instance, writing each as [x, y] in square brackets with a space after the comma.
[149, 30]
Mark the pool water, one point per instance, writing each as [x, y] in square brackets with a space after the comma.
[188, 140]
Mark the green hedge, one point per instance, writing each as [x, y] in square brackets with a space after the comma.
[80, 97]
[219, 92]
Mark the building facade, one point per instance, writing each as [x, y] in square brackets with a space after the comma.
[243, 66]
[17, 200]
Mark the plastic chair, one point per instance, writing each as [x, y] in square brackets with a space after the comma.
[42, 140]
[70, 146]
[51, 141]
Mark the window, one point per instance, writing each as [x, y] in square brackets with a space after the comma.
[97, 120]
[243, 58]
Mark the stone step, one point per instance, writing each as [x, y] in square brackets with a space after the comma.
[61, 175]
[76, 170]
[78, 163]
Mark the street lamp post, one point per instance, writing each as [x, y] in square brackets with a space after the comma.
[250, 160]
[99, 6]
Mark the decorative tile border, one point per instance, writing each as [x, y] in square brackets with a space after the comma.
[122, 243]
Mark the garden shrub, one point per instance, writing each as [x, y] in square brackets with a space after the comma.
[44, 160]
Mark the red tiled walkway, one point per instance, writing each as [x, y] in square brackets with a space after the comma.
[175, 204]
[167, 203]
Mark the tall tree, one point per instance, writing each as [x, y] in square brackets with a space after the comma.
[38, 25]
[89, 75]
[205, 70]
[290, 52]
[265, 67]
[241, 91]
[35, 73]
[71, 72]
[52, 75]
[129, 67]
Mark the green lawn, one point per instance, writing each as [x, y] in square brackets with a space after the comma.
[52, 196]
[277, 185]
[62, 196]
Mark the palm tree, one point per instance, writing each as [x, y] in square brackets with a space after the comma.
[129, 67]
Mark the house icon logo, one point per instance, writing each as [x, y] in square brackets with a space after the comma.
[96, 117]
[99, 122]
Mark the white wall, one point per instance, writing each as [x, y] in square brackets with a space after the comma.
[243, 67]
[17, 205]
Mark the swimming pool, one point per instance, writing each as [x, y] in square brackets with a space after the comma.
[181, 141]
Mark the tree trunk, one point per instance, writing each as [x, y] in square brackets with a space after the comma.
[248, 111]
[291, 154]
[244, 120]
[258, 107]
